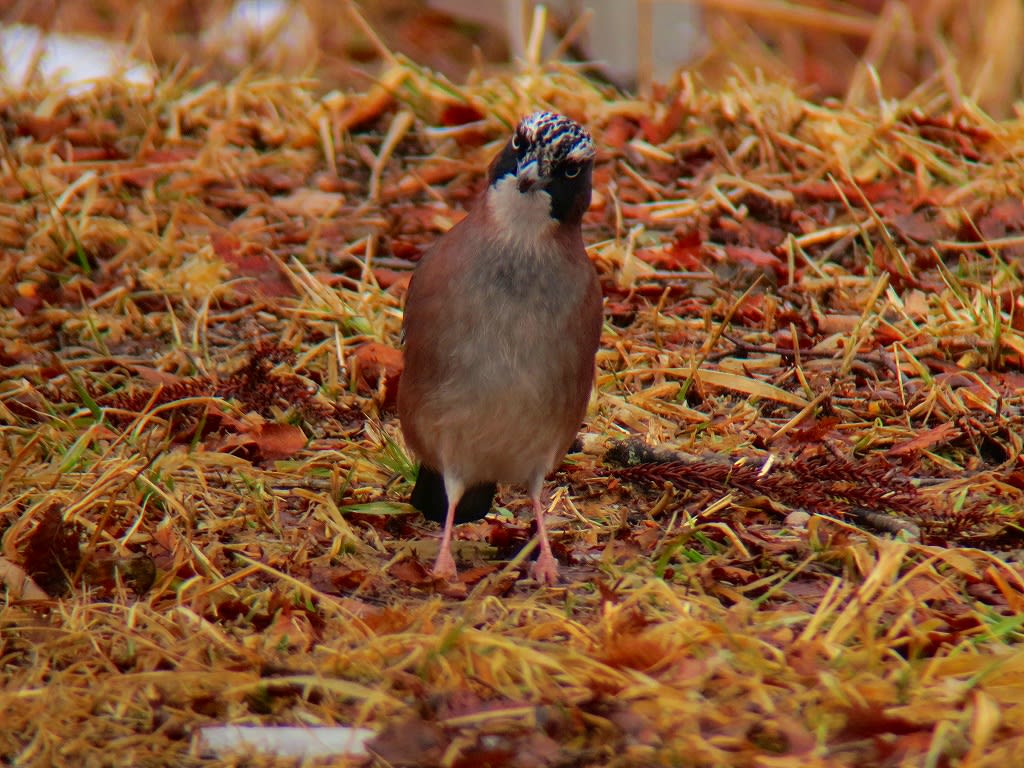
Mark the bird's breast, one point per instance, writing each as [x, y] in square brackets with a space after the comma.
[499, 386]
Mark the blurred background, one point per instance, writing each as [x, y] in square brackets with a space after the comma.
[856, 50]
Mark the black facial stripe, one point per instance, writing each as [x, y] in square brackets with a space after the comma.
[504, 164]
[570, 198]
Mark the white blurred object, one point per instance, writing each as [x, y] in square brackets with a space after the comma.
[619, 36]
[285, 741]
[277, 34]
[74, 62]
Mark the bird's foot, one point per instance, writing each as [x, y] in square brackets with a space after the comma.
[444, 566]
[545, 569]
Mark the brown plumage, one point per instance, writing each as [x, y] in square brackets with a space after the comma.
[502, 322]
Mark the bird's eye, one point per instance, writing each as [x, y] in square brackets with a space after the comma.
[572, 171]
[516, 144]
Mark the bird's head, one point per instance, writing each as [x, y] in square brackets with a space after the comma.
[542, 177]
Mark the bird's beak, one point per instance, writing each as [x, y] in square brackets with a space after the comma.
[528, 177]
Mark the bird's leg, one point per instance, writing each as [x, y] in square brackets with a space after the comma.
[444, 566]
[545, 568]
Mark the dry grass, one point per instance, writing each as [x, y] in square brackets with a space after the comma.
[849, 49]
[821, 293]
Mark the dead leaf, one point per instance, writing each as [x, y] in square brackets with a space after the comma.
[42, 128]
[762, 236]
[155, 164]
[18, 583]
[278, 441]
[311, 203]
[460, 114]
[290, 630]
[337, 580]
[755, 257]
[409, 743]
[52, 552]
[685, 253]
[108, 572]
[815, 430]
[376, 368]
[925, 225]
[619, 131]
[924, 440]
[258, 440]
[32, 296]
[659, 131]
[262, 272]
[411, 571]
[471, 576]
[838, 192]
[638, 651]
[155, 377]
[915, 303]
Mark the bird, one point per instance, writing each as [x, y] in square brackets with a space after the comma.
[501, 328]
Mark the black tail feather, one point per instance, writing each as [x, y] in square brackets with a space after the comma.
[429, 497]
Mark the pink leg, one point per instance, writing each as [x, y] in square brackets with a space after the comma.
[444, 566]
[545, 569]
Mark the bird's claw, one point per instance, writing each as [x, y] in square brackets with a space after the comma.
[444, 568]
[545, 569]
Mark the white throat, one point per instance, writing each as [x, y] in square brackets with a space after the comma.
[523, 219]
